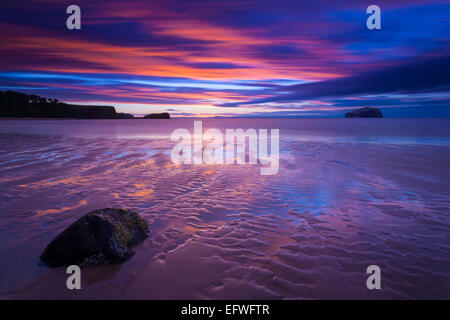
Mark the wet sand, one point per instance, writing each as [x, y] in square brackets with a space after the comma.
[226, 232]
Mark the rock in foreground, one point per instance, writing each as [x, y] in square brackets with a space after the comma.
[103, 236]
[367, 112]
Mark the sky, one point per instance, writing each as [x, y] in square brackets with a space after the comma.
[227, 58]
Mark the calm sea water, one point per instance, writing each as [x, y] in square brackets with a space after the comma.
[349, 193]
[426, 131]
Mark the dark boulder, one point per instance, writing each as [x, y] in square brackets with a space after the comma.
[367, 112]
[103, 236]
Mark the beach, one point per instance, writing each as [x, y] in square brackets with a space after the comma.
[349, 193]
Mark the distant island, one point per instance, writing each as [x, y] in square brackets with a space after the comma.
[20, 105]
[162, 115]
[366, 112]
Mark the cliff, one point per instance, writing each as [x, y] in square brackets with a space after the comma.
[16, 104]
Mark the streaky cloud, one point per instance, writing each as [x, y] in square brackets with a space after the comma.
[418, 76]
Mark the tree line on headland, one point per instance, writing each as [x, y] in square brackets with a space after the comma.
[20, 105]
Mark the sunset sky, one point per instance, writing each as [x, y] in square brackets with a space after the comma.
[232, 58]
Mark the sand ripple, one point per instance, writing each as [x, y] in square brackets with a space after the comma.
[226, 231]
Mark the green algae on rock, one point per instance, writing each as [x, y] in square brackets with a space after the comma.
[103, 236]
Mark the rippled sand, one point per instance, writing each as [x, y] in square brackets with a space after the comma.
[225, 231]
